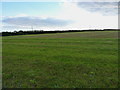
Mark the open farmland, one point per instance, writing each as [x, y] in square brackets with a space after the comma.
[62, 60]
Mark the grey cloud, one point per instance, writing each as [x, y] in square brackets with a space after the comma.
[35, 21]
[105, 8]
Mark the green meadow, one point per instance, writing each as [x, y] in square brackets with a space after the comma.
[62, 60]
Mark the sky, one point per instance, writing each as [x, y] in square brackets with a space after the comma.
[58, 15]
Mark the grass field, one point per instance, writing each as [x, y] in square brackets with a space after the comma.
[62, 60]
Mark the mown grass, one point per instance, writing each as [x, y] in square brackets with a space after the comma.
[68, 60]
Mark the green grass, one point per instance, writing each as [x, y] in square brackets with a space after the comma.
[66, 60]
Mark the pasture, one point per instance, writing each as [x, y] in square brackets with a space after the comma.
[61, 60]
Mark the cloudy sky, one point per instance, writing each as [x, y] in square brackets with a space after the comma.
[59, 15]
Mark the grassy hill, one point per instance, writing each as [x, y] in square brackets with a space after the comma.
[61, 60]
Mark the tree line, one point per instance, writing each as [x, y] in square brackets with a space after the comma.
[46, 32]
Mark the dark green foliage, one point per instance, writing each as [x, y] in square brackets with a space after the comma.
[44, 32]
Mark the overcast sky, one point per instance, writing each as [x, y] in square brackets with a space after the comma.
[59, 15]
